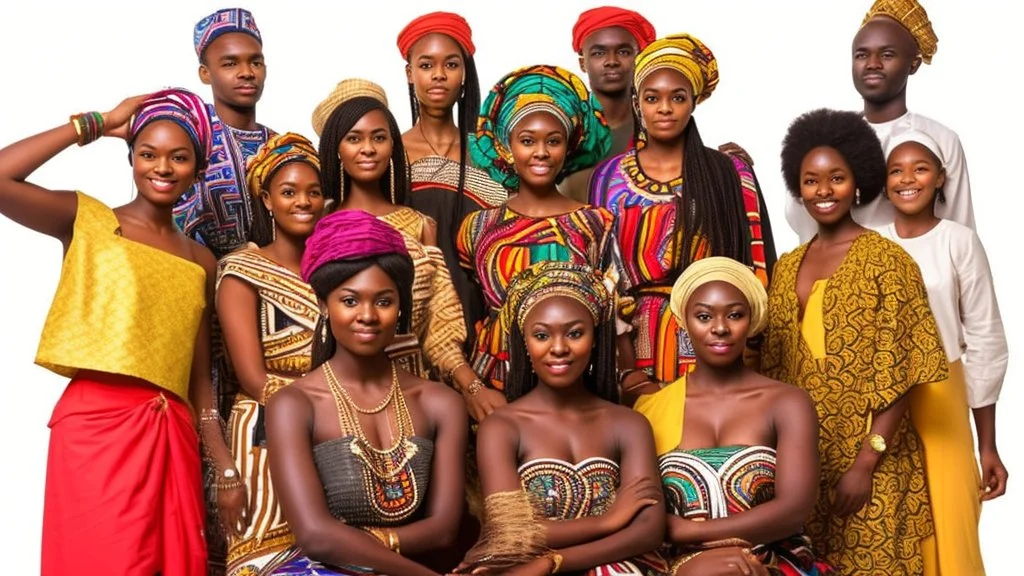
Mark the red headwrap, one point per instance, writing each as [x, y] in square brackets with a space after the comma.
[611, 16]
[349, 235]
[446, 23]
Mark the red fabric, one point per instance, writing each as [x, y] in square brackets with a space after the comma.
[123, 483]
[607, 17]
[446, 23]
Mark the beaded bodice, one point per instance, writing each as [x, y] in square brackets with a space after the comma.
[709, 483]
[559, 490]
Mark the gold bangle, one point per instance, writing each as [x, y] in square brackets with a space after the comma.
[378, 534]
[556, 562]
[450, 374]
[393, 543]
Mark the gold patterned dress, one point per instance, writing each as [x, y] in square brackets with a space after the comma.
[877, 339]
[287, 311]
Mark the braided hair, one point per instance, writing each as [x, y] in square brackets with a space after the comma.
[332, 176]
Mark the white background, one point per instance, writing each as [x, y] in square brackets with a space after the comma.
[777, 60]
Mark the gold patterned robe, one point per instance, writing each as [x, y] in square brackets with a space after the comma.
[880, 340]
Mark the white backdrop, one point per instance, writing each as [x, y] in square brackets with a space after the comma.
[777, 59]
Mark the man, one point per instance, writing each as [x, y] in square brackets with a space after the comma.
[218, 211]
[894, 39]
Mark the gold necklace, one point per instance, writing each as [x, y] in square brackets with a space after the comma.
[432, 149]
[332, 380]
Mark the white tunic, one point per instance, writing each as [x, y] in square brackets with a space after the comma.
[879, 213]
[963, 300]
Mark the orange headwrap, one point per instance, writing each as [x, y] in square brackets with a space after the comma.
[612, 16]
[446, 23]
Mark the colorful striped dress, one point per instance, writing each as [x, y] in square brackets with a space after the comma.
[497, 243]
[644, 214]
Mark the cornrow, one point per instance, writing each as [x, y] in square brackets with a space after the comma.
[332, 178]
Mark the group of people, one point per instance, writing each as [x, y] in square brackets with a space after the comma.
[546, 332]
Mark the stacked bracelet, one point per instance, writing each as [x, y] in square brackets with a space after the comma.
[88, 126]
[388, 538]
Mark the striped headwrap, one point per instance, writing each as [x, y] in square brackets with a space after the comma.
[185, 109]
[721, 269]
[278, 151]
[223, 22]
[544, 280]
[911, 15]
[684, 53]
[531, 89]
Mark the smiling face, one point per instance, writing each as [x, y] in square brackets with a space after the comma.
[436, 70]
[559, 334]
[666, 104]
[233, 66]
[539, 147]
[914, 175]
[884, 56]
[718, 321]
[163, 162]
[365, 150]
[827, 186]
[607, 59]
[363, 312]
[294, 199]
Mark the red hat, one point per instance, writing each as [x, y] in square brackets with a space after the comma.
[611, 16]
[446, 23]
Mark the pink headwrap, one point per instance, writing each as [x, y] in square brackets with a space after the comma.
[349, 235]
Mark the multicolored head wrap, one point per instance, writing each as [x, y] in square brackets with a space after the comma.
[349, 235]
[182, 107]
[544, 280]
[911, 15]
[278, 151]
[447, 23]
[224, 22]
[531, 89]
[685, 54]
[611, 17]
[721, 269]
[346, 90]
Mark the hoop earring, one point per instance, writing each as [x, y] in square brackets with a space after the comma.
[391, 170]
[856, 197]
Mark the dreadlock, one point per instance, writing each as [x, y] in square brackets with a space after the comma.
[398, 267]
[333, 179]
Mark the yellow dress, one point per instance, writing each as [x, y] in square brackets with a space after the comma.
[867, 338]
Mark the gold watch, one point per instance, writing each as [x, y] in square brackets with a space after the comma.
[877, 443]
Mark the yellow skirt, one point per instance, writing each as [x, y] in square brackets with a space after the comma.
[940, 414]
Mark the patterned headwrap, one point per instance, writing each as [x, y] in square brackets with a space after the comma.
[684, 53]
[447, 23]
[278, 151]
[720, 268]
[915, 136]
[531, 89]
[346, 90]
[544, 280]
[349, 235]
[608, 17]
[911, 15]
[223, 22]
[182, 107]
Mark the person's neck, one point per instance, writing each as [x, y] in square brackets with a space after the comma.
[237, 118]
[361, 370]
[660, 152]
[715, 377]
[561, 398]
[366, 196]
[616, 107]
[439, 130]
[844, 231]
[914, 225]
[286, 250]
[536, 202]
[157, 218]
[879, 112]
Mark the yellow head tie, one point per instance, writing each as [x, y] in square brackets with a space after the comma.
[721, 269]
[912, 16]
[276, 152]
[683, 53]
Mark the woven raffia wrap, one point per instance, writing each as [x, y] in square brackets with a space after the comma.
[912, 16]
[510, 534]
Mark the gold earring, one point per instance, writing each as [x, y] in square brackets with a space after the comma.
[856, 197]
[273, 225]
[391, 169]
[323, 328]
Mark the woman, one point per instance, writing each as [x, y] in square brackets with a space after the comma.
[129, 325]
[568, 475]
[356, 127]
[367, 459]
[538, 124]
[438, 51]
[963, 299]
[738, 452]
[268, 315]
[849, 322]
[670, 171]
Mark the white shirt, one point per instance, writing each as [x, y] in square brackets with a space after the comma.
[879, 212]
[963, 300]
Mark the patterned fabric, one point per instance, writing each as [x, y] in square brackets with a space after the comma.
[498, 243]
[447, 23]
[122, 307]
[437, 319]
[531, 89]
[287, 313]
[560, 490]
[217, 212]
[278, 151]
[349, 235]
[223, 22]
[644, 215]
[181, 107]
[912, 16]
[721, 269]
[685, 54]
[344, 91]
[547, 279]
[880, 340]
[595, 19]
[712, 483]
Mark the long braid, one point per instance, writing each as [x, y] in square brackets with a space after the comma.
[469, 110]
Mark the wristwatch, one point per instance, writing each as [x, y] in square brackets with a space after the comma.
[877, 443]
[229, 474]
